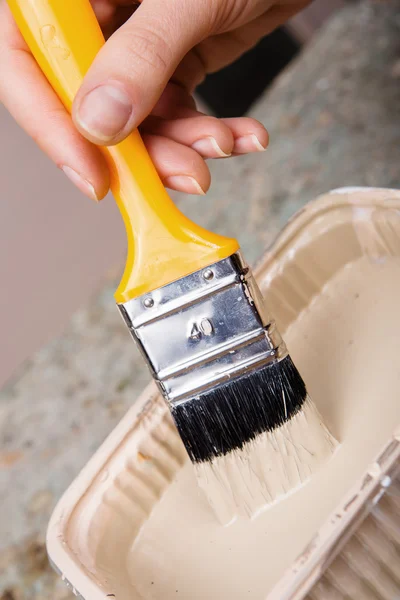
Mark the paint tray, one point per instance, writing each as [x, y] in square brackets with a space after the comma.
[134, 525]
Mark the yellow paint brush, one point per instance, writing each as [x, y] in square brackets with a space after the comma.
[187, 296]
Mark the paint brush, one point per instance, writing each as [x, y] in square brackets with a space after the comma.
[189, 299]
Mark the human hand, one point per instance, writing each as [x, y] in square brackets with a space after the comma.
[144, 76]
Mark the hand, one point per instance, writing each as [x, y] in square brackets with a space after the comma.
[158, 53]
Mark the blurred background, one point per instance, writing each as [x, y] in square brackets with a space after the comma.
[56, 247]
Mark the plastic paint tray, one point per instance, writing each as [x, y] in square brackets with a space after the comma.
[134, 525]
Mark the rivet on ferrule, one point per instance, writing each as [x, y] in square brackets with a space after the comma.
[148, 302]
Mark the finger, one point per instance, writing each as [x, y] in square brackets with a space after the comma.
[133, 68]
[210, 137]
[191, 71]
[27, 95]
[104, 10]
[173, 103]
[112, 14]
[179, 167]
[249, 135]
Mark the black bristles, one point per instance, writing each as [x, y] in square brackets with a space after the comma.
[228, 416]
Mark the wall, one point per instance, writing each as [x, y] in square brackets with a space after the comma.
[56, 247]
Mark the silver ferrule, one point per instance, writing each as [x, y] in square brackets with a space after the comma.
[204, 329]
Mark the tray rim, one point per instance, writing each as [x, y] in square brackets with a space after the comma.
[321, 550]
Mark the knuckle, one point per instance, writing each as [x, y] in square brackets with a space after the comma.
[148, 46]
[222, 13]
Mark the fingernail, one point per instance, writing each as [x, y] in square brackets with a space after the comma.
[184, 183]
[209, 147]
[83, 184]
[248, 143]
[104, 112]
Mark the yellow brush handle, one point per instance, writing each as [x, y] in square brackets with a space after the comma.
[163, 245]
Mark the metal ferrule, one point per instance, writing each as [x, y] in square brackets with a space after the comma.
[204, 329]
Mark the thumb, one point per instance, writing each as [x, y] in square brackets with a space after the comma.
[132, 69]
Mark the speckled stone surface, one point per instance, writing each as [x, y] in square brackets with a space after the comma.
[334, 120]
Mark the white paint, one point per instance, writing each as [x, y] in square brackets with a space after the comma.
[248, 481]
